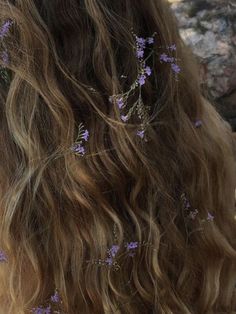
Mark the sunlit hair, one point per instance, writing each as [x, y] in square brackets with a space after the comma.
[58, 209]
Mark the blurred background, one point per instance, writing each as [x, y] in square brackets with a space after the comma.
[209, 28]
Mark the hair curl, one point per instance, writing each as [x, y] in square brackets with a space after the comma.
[57, 210]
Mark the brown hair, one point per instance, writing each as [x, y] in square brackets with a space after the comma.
[58, 210]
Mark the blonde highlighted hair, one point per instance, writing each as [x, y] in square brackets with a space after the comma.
[57, 210]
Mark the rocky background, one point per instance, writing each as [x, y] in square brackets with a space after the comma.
[209, 28]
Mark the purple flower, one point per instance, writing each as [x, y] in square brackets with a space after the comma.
[5, 28]
[170, 59]
[172, 47]
[198, 123]
[175, 68]
[150, 40]
[86, 135]
[141, 42]
[3, 257]
[77, 148]
[120, 103]
[164, 57]
[148, 70]
[113, 250]
[210, 217]
[38, 310]
[132, 245]
[124, 118]
[5, 57]
[140, 133]
[141, 79]
[56, 297]
[139, 53]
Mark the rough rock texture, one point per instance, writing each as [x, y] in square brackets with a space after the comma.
[209, 28]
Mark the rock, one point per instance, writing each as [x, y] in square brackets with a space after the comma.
[209, 28]
[211, 36]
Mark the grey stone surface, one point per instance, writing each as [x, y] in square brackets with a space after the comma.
[209, 28]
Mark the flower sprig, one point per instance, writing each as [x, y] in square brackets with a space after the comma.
[191, 212]
[140, 47]
[4, 29]
[54, 305]
[112, 252]
[83, 135]
[170, 59]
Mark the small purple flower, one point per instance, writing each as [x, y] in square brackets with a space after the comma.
[148, 70]
[170, 59]
[120, 103]
[141, 42]
[141, 79]
[56, 297]
[113, 250]
[139, 53]
[140, 133]
[5, 28]
[38, 310]
[86, 135]
[77, 148]
[5, 57]
[164, 57]
[198, 123]
[132, 245]
[150, 40]
[210, 217]
[124, 118]
[172, 47]
[175, 68]
[3, 257]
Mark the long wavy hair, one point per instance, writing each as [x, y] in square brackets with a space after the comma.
[60, 211]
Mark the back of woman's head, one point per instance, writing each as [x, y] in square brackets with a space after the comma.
[117, 177]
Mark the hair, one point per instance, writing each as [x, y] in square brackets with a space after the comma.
[59, 210]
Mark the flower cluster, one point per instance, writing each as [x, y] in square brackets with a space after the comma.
[169, 59]
[144, 70]
[191, 213]
[53, 306]
[5, 28]
[3, 33]
[111, 259]
[77, 147]
[142, 45]
[188, 208]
